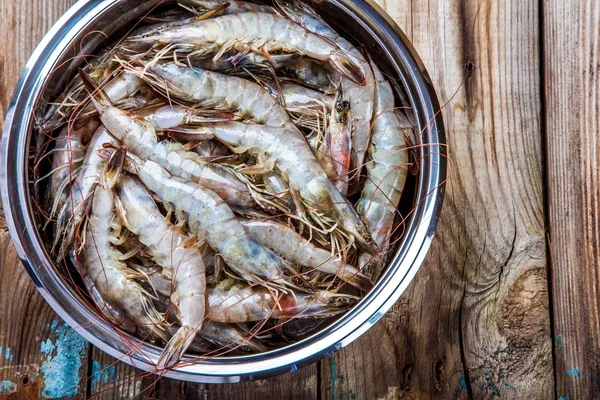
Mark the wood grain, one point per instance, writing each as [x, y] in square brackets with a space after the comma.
[41, 356]
[475, 321]
[572, 91]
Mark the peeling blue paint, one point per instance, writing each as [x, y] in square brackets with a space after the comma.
[334, 381]
[102, 375]
[574, 372]
[7, 356]
[562, 398]
[7, 387]
[54, 324]
[560, 344]
[61, 371]
[47, 347]
[463, 382]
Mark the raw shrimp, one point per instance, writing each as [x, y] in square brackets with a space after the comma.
[233, 6]
[388, 168]
[300, 99]
[69, 152]
[232, 302]
[104, 264]
[121, 87]
[284, 241]
[75, 208]
[140, 137]
[336, 148]
[360, 97]
[229, 336]
[214, 90]
[262, 33]
[180, 261]
[210, 148]
[212, 220]
[311, 73]
[163, 117]
[297, 164]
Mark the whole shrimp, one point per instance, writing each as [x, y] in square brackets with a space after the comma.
[77, 204]
[69, 152]
[104, 264]
[232, 302]
[388, 168]
[284, 241]
[140, 137]
[311, 73]
[360, 97]
[212, 220]
[233, 6]
[262, 33]
[214, 90]
[118, 89]
[181, 263]
[335, 151]
[296, 162]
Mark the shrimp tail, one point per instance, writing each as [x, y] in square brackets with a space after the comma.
[114, 167]
[362, 282]
[97, 95]
[176, 347]
[345, 66]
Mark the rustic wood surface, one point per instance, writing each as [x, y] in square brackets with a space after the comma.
[521, 81]
[572, 92]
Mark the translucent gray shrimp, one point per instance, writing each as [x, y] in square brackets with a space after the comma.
[105, 266]
[140, 137]
[212, 220]
[311, 73]
[360, 97]
[388, 166]
[284, 241]
[214, 90]
[77, 204]
[232, 302]
[298, 165]
[335, 151]
[121, 87]
[300, 98]
[181, 263]
[262, 33]
[233, 6]
[68, 154]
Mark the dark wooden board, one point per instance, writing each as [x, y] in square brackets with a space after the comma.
[572, 93]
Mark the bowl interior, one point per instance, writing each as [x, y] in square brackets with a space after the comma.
[81, 34]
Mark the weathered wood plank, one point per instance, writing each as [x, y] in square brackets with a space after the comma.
[110, 378]
[299, 385]
[475, 322]
[572, 89]
[41, 356]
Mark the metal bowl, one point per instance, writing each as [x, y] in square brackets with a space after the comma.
[48, 70]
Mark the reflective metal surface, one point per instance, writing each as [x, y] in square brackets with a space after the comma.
[50, 67]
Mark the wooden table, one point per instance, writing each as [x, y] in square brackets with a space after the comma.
[507, 302]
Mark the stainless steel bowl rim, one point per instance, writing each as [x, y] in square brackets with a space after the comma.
[416, 242]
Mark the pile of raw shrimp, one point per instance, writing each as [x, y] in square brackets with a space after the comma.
[226, 177]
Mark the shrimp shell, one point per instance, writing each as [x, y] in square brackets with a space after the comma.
[181, 263]
[212, 220]
[296, 162]
[360, 97]
[284, 241]
[105, 268]
[262, 33]
[388, 169]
